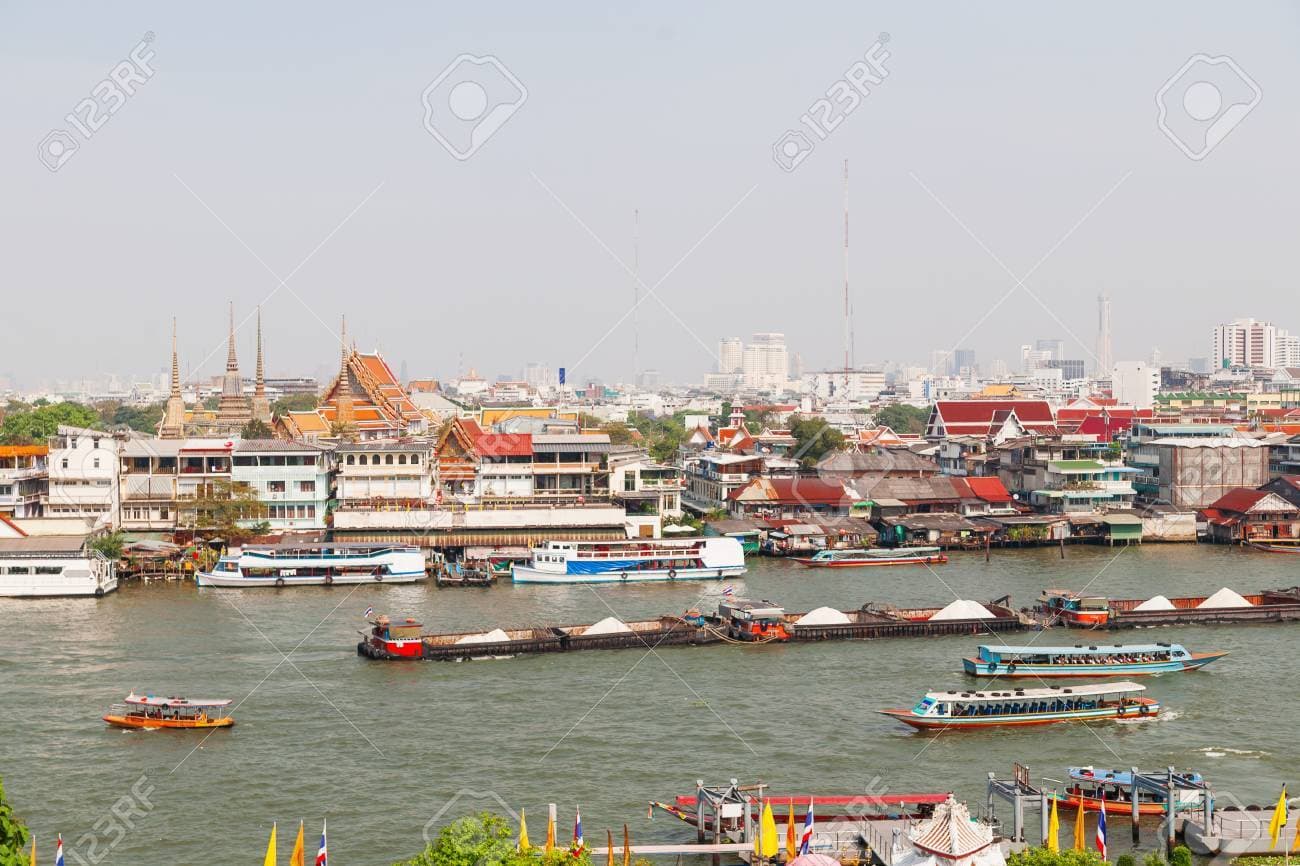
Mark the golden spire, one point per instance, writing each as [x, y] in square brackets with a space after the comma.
[176, 364]
[343, 394]
[172, 425]
[260, 405]
[232, 364]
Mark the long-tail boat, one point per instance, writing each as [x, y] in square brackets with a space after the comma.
[1020, 707]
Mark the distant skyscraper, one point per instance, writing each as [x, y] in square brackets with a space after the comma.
[1104, 358]
[962, 359]
[997, 369]
[731, 355]
[1071, 368]
[766, 362]
[1251, 343]
[1055, 347]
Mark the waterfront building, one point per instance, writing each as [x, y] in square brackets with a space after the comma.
[1243, 515]
[24, 479]
[567, 466]
[201, 464]
[505, 466]
[792, 497]
[711, 476]
[1284, 458]
[148, 484]
[648, 491]
[384, 474]
[293, 480]
[994, 420]
[83, 469]
[1189, 470]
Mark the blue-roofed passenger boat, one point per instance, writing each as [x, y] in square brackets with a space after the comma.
[1112, 790]
[640, 559]
[1086, 661]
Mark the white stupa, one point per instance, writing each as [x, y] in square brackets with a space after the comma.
[948, 838]
[1225, 598]
[1158, 602]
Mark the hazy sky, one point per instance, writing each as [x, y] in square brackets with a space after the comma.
[301, 127]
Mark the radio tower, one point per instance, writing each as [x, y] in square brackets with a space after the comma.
[636, 295]
[848, 308]
[1104, 362]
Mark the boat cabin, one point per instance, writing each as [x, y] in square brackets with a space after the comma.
[753, 620]
[1023, 702]
[1083, 655]
[388, 639]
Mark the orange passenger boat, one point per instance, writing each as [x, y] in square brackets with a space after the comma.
[149, 711]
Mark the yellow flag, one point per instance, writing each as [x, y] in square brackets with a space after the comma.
[269, 860]
[766, 845]
[550, 829]
[1279, 819]
[1078, 826]
[1053, 829]
[33, 861]
[524, 844]
[627, 847]
[791, 845]
[296, 858]
[610, 836]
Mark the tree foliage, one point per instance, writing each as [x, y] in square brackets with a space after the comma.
[230, 509]
[14, 835]
[814, 439]
[903, 418]
[487, 840]
[663, 434]
[256, 429]
[1043, 857]
[144, 419]
[110, 545]
[293, 403]
[36, 423]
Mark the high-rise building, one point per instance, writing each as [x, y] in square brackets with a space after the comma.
[539, 375]
[997, 369]
[1104, 358]
[766, 362]
[1251, 343]
[731, 355]
[1055, 347]
[1072, 369]
[962, 359]
[1135, 383]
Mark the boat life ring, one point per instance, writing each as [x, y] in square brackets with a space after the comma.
[99, 592]
[279, 582]
[623, 575]
[1119, 714]
[361, 648]
[672, 574]
[993, 666]
[329, 580]
[1145, 710]
[1011, 667]
[379, 578]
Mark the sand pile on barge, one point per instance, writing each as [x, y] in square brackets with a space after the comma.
[1225, 598]
[609, 625]
[823, 616]
[1158, 602]
[494, 636]
[964, 609]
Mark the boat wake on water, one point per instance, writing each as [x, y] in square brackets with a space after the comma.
[1224, 751]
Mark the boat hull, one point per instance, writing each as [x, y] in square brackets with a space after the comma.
[976, 667]
[179, 724]
[58, 587]
[529, 574]
[207, 578]
[1114, 807]
[937, 559]
[1151, 707]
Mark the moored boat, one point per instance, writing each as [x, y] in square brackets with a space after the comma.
[1112, 791]
[148, 711]
[1275, 548]
[54, 566]
[321, 564]
[874, 556]
[1085, 661]
[1020, 707]
[1074, 608]
[641, 559]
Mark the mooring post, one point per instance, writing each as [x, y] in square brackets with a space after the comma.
[1042, 810]
[699, 811]
[1137, 831]
[1018, 818]
[1170, 812]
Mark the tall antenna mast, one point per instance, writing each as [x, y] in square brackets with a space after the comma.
[636, 295]
[848, 309]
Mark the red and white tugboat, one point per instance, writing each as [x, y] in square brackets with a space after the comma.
[389, 640]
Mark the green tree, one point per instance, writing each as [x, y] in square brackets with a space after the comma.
[903, 418]
[1043, 857]
[487, 840]
[110, 545]
[1180, 856]
[144, 419]
[35, 425]
[293, 403]
[256, 429]
[14, 835]
[231, 510]
[1125, 860]
[814, 439]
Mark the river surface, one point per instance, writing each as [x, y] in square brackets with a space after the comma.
[384, 750]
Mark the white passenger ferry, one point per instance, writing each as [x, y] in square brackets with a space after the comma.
[48, 566]
[634, 559]
[316, 565]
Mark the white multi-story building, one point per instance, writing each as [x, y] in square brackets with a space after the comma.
[1135, 383]
[766, 363]
[1252, 343]
[83, 474]
[731, 355]
[24, 475]
[852, 385]
[384, 474]
[291, 478]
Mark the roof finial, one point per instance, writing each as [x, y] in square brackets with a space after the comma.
[261, 382]
[176, 364]
[232, 365]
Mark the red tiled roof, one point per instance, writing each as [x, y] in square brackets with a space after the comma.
[989, 489]
[1239, 499]
[982, 411]
[504, 444]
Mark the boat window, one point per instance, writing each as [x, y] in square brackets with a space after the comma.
[18, 569]
[49, 569]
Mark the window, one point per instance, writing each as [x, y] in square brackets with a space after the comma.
[164, 514]
[96, 463]
[65, 462]
[307, 486]
[415, 459]
[401, 459]
[388, 458]
[362, 460]
[275, 487]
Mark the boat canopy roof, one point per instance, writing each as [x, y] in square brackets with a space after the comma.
[1077, 650]
[154, 701]
[1122, 777]
[1035, 694]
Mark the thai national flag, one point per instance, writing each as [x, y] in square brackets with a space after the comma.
[1101, 833]
[805, 842]
[322, 855]
[58, 852]
[728, 590]
[370, 611]
[578, 844]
